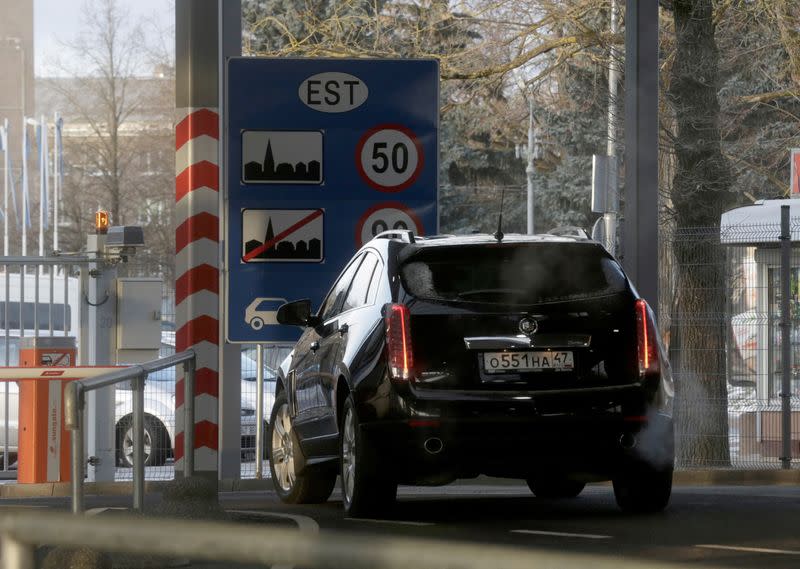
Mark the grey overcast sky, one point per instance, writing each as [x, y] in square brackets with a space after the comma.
[60, 20]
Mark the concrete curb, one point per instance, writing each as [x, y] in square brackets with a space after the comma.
[685, 478]
[64, 489]
[736, 477]
[681, 478]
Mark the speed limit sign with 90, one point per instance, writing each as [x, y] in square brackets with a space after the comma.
[389, 157]
[387, 216]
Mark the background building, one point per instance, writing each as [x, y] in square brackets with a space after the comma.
[16, 63]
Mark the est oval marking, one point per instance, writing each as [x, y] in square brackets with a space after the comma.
[333, 92]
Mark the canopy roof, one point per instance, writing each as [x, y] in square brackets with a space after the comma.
[759, 223]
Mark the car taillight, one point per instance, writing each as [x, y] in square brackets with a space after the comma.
[646, 339]
[398, 341]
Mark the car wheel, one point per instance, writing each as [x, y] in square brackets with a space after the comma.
[544, 487]
[256, 323]
[311, 487]
[642, 488]
[156, 442]
[366, 490]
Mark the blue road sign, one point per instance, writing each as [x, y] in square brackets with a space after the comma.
[322, 154]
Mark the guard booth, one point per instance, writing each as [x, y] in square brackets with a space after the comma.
[751, 234]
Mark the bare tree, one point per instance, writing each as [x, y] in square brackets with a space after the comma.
[115, 90]
[108, 49]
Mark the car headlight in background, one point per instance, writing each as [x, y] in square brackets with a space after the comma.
[248, 412]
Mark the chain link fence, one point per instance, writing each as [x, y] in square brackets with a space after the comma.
[721, 315]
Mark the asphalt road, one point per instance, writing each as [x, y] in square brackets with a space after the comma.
[728, 526]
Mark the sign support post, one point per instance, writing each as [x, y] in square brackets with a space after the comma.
[641, 148]
[230, 391]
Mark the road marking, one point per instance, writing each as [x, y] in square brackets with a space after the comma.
[561, 534]
[304, 523]
[402, 522]
[750, 549]
[96, 511]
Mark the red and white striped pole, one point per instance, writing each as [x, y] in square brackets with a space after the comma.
[197, 261]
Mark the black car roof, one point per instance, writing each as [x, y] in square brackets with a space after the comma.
[404, 248]
[486, 238]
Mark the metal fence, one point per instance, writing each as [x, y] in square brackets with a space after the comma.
[38, 297]
[160, 409]
[161, 468]
[273, 356]
[32, 304]
[159, 422]
[723, 298]
[724, 293]
[74, 408]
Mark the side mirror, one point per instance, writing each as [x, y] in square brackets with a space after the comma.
[297, 313]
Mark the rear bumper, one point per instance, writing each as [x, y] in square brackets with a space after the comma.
[516, 434]
[589, 447]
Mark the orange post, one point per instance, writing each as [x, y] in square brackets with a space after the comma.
[43, 447]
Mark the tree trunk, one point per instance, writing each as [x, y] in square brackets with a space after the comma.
[700, 192]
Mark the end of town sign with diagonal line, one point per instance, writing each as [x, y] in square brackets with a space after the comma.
[282, 235]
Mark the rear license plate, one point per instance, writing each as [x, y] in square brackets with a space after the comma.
[502, 362]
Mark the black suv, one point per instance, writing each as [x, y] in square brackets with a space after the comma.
[448, 357]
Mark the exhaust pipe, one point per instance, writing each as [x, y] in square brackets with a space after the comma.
[627, 441]
[433, 445]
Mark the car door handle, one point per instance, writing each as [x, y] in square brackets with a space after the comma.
[343, 329]
[314, 346]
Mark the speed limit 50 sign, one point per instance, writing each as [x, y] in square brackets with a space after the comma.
[389, 157]
[322, 155]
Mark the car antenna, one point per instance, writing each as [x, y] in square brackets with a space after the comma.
[499, 233]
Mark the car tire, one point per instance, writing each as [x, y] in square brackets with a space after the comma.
[157, 445]
[256, 323]
[643, 489]
[366, 489]
[311, 487]
[552, 488]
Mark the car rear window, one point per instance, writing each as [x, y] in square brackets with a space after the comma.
[529, 273]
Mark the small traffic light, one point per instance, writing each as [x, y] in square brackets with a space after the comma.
[101, 222]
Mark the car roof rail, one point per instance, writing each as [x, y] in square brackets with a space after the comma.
[407, 236]
[569, 231]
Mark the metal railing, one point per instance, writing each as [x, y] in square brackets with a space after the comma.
[236, 543]
[75, 401]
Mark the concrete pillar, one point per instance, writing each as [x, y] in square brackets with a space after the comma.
[197, 217]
